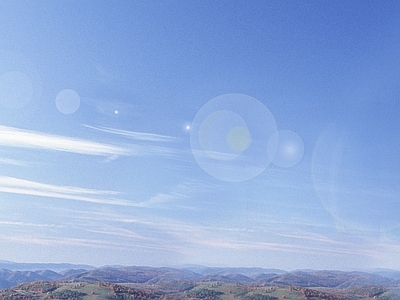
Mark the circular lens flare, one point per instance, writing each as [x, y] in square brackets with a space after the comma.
[290, 148]
[238, 138]
[68, 101]
[229, 137]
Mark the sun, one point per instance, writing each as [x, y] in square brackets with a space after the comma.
[186, 127]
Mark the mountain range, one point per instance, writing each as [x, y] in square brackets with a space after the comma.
[15, 274]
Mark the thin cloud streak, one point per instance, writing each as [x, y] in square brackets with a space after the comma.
[139, 136]
[119, 232]
[39, 240]
[179, 192]
[189, 236]
[14, 162]
[312, 238]
[84, 242]
[30, 225]
[192, 235]
[25, 187]
[15, 137]
[20, 138]
[210, 238]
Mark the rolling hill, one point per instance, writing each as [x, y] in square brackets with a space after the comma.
[209, 283]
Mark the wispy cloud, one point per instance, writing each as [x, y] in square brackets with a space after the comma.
[29, 224]
[25, 187]
[53, 241]
[84, 242]
[161, 200]
[189, 236]
[138, 136]
[15, 137]
[180, 192]
[120, 232]
[214, 238]
[14, 162]
[312, 238]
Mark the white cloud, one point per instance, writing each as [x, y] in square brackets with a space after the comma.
[15, 137]
[161, 200]
[25, 187]
[20, 138]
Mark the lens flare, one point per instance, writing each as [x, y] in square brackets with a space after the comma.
[68, 101]
[229, 137]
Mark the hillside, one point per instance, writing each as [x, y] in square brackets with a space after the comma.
[78, 291]
[209, 283]
[199, 290]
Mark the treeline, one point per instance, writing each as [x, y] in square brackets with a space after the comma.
[205, 294]
[259, 297]
[66, 294]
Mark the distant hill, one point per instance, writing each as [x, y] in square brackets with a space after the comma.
[203, 270]
[70, 272]
[156, 275]
[134, 275]
[49, 275]
[331, 279]
[232, 278]
[263, 277]
[386, 273]
[9, 278]
[14, 266]
[183, 278]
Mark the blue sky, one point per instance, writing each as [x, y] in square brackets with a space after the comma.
[184, 132]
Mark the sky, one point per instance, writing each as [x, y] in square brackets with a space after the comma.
[220, 133]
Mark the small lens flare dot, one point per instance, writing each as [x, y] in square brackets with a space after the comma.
[290, 148]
